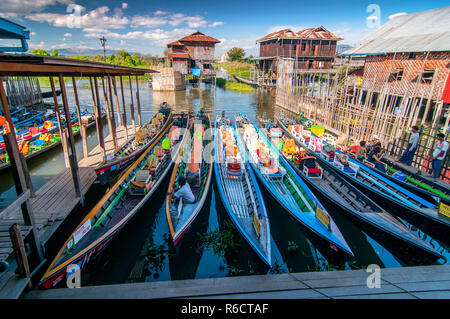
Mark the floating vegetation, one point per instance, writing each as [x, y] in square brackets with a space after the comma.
[221, 241]
[277, 268]
[156, 256]
[292, 247]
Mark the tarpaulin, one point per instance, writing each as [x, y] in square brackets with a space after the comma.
[446, 94]
[196, 72]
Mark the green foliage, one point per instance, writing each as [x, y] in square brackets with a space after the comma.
[40, 52]
[238, 87]
[236, 54]
[221, 241]
[292, 247]
[55, 53]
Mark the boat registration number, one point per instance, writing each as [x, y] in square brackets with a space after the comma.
[444, 209]
[323, 217]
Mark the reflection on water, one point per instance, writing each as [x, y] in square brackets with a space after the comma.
[143, 250]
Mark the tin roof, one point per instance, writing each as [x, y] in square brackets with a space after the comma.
[198, 36]
[416, 32]
[316, 33]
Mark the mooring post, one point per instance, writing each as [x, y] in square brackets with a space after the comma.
[99, 117]
[124, 109]
[132, 106]
[138, 102]
[60, 126]
[80, 122]
[19, 251]
[116, 99]
[110, 116]
[71, 141]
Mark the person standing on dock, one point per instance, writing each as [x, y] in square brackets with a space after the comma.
[413, 142]
[439, 155]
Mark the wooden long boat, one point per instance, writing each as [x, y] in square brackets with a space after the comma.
[239, 191]
[197, 169]
[53, 142]
[288, 188]
[116, 208]
[135, 146]
[252, 83]
[344, 197]
[421, 212]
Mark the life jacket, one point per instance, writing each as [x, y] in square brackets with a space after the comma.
[24, 147]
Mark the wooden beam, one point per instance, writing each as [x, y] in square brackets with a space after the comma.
[20, 252]
[139, 103]
[116, 100]
[73, 156]
[17, 203]
[80, 123]
[124, 109]
[60, 126]
[132, 106]
[98, 116]
[110, 116]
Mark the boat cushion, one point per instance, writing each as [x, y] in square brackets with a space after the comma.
[314, 170]
[349, 170]
[141, 175]
[138, 184]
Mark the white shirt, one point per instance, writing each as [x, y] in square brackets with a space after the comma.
[414, 140]
[441, 146]
[185, 193]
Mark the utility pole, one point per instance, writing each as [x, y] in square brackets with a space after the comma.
[103, 41]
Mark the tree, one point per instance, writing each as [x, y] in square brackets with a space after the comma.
[236, 54]
[55, 53]
[40, 52]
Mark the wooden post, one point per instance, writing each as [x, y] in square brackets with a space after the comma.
[20, 252]
[98, 116]
[124, 108]
[113, 80]
[80, 123]
[138, 102]
[60, 126]
[111, 124]
[71, 142]
[132, 106]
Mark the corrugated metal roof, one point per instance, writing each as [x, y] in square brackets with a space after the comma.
[316, 33]
[417, 32]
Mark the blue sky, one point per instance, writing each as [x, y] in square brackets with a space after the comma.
[146, 26]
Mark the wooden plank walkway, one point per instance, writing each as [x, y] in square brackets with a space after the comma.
[56, 199]
[420, 282]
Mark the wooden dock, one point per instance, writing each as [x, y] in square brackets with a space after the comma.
[422, 282]
[54, 201]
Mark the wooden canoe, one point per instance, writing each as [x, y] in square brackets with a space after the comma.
[116, 208]
[191, 158]
[239, 191]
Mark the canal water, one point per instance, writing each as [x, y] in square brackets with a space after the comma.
[212, 247]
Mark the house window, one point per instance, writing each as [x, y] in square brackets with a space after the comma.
[397, 75]
[412, 55]
[426, 78]
[206, 66]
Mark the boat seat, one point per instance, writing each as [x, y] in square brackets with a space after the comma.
[142, 175]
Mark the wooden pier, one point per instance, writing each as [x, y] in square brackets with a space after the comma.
[30, 221]
[422, 282]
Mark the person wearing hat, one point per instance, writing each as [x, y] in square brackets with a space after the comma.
[413, 142]
[439, 155]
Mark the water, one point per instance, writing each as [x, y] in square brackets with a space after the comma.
[143, 251]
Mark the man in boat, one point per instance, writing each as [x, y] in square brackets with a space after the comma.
[184, 192]
[362, 151]
[222, 118]
[164, 109]
[375, 157]
[413, 142]
[439, 155]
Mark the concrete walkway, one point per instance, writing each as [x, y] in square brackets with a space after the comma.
[403, 283]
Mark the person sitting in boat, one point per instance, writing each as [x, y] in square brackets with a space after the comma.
[375, 157]
[184, 192]
[362, 151]
[374, 143]
[164, 109]
[222, 119]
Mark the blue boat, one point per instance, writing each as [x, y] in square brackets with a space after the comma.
[288, 188]
[425, 213]
[239, 190]
[336, 191]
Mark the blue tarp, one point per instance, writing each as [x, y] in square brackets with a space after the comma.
[196, 72]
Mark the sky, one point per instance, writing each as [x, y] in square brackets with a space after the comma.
[147, 26]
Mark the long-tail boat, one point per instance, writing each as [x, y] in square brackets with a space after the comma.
[134, 147]
[195, 164]
[344, 197]
[239, 190]
[427, 212]
[288, 188]
[116, 208]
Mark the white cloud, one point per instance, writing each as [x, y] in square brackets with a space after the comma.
[13, 8]
[396, 15]
[124, 5]
[33, 33]
[67, 35]
[159, 12]
[216, 24]
[294, 28]
[40, 45]
[147, 21]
